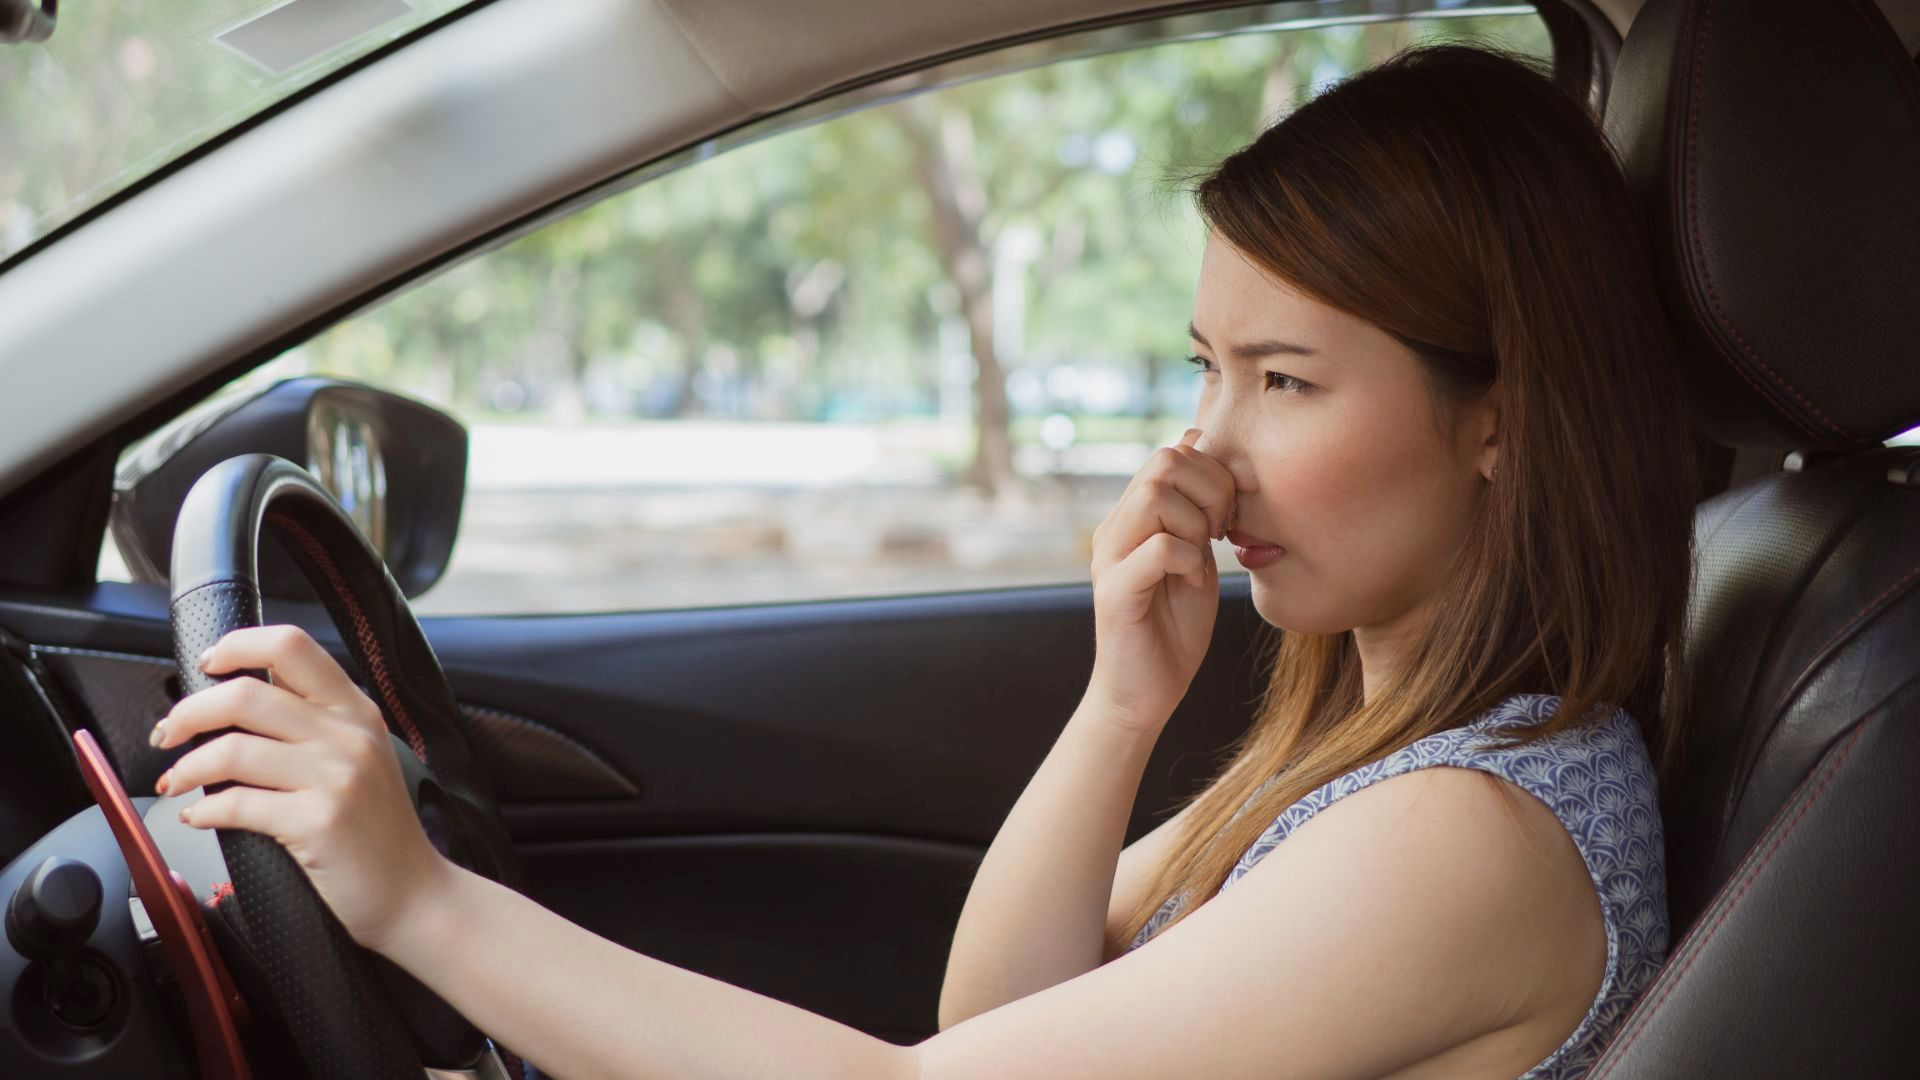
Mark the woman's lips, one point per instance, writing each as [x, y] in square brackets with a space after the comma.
[1253, 552]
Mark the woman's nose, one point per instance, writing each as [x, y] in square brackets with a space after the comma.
[1223, 446]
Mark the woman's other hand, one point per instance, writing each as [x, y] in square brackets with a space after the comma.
[314, 769]
[1156, 589]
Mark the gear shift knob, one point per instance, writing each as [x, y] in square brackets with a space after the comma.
[49, 919]
[55, 909]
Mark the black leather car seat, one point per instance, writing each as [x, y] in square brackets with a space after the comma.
[1775, 146]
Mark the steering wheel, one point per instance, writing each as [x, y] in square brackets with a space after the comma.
[352, 1014]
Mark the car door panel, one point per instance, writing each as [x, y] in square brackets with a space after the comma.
[792, 798]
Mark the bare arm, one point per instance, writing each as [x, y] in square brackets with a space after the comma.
[1138, 864]
[1039, 907]
[1036, 913]
[1393, 926]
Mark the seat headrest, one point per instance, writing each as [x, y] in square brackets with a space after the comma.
[1774, 147]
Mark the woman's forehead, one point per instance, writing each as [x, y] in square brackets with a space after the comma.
[1236, 301]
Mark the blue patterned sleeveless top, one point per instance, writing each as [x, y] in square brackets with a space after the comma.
[1600, 782]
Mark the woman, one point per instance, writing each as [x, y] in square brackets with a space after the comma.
[1438, 416]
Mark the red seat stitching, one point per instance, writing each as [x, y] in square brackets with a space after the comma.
[1698, 70]
[1696, 942]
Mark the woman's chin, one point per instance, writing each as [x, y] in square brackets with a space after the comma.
[1284, 612]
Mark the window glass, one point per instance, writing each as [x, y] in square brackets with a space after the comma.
[120, 89]
[920, 347]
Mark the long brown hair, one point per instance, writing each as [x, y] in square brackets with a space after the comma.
[1461, 201]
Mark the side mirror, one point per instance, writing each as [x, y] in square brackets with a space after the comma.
[27, 21]
[398, 467]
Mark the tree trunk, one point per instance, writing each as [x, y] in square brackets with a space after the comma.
[942, 141]
[566, 359]
[680, 306]
[1150, 376]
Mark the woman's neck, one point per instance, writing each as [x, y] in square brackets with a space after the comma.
[1382, 647]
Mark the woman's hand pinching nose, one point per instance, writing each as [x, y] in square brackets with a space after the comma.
[1156, 586]
[1190, 440]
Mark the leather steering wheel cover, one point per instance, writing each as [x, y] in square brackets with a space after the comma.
[324, 984]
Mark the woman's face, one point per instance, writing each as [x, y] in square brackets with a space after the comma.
[1331, 432]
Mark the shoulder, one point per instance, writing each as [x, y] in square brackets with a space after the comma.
[1428, 915]
[1482, 839]
[1449, 890]
[1607, 743]
[1460, 880]
[1605, 725]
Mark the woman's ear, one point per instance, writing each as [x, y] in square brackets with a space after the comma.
[1486, 433]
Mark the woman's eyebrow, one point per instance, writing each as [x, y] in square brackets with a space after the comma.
[1254, 350]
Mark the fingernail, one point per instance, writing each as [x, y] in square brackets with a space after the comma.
[159, 733]
[160, 785]
[204, 657]
[183, 815]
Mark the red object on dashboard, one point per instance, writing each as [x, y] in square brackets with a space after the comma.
[213, 1004]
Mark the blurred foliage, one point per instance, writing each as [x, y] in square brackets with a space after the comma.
[123, 88]
[798, 277]
[1008, 247]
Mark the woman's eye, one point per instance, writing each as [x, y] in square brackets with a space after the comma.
[1286, 384]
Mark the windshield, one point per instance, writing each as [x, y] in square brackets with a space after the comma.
[121, 89]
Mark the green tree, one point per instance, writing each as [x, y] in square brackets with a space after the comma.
[836, 253]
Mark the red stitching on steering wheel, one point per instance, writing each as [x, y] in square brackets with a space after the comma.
[369, 643]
